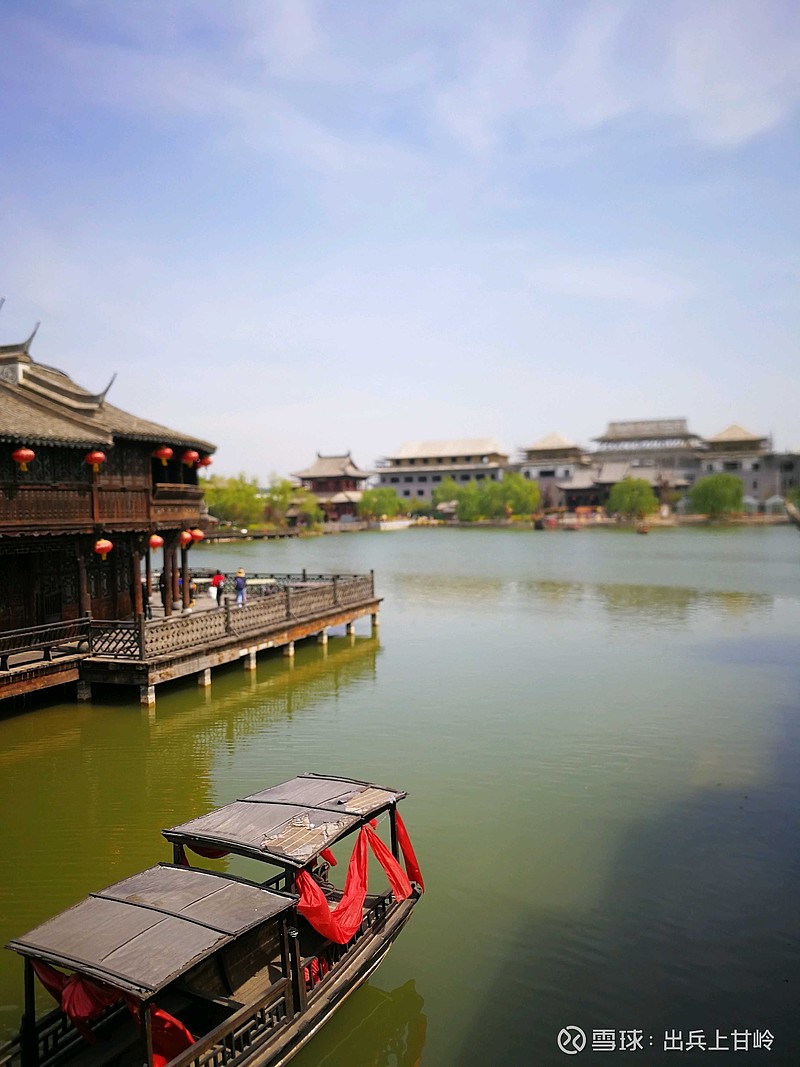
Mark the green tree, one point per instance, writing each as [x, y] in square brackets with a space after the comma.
[377, 502]
[236, 500]
[307, 505]
[445, 492]
[632, 498]
[278, 499]
[716, 495]
[521, 494]
[468, 508]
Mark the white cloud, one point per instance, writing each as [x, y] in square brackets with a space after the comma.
[608, 278]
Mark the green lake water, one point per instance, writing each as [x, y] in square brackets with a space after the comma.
[600, 737]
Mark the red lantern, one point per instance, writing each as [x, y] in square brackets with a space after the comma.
[23, 456]
[190, 457]
[103, 547]
[156, 541]
[163, 453]
[206, 461]
[186, 539]
[95, 458]
[197, 535]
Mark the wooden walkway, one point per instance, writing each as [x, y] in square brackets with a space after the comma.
[280, 610]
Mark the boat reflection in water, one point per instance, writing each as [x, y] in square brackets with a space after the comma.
[376, 1029]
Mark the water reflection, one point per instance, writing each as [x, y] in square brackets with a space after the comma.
[695, 927]
[373, 1029]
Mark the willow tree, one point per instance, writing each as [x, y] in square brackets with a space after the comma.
[633, 498]
[716, 495]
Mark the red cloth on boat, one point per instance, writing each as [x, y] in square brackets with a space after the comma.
[168, 1035]
[404, 841]
[398, 880]
[208, 853]
[340, 924]
[329, 857]
[80, 998]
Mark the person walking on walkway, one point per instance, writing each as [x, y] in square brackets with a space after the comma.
[218, 585]
[240, 585]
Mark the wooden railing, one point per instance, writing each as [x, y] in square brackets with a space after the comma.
[237, 1037]
[282, 600]
[74, 635]
[317, 968]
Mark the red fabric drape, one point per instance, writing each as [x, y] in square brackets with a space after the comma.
[340, 924]
[169, 1036]
[80, 998]
[208, 853]
[398, 880]
[404, 841]
[329, 857]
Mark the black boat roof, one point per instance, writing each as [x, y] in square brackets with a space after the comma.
[291, 823]
[142, 933]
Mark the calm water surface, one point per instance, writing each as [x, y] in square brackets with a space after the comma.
[600, 736]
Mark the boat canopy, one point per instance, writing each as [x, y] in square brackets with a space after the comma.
[144, 932]
[288, 824]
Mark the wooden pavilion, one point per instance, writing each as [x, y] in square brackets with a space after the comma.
[337, 482]
[83, 486]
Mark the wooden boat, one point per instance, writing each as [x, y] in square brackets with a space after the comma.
[642, 527]
[793, 512]
[189, 967]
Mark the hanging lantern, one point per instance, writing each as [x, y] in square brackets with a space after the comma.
[163, 453]
[103, 547]
[206, 461]
[190, 457]
[23, 456]
[156, 541]
[95, 458]
[186, 539]
[197, 535]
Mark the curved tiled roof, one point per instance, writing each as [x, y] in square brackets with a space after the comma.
[43, 405]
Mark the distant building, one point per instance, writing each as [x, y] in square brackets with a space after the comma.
[551, 460]
[336, 482]
[417, 468]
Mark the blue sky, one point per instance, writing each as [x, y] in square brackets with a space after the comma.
[318, 225]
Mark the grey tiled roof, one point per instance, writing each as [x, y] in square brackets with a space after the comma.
[46, 407]
[332, 467]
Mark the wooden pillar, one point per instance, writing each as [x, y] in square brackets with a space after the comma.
[288, 650]
[250, 660]
[374, 618]
[83, 586]
[393, 828]
[187, 593]
[322, 637]
[147, 695]
[204, 678]
[350, 629]
[84, 692]
[30, 1039]
[176, 599]
[136, 564]
[148, 572]
[147, 1032]
[166, 575]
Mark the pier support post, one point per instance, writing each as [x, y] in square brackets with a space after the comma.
[84, 692]
[288, 650]
[350, 629]
[375, 624]
[204, 678]
[147, 695]
[322, 637]
[250, 660]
